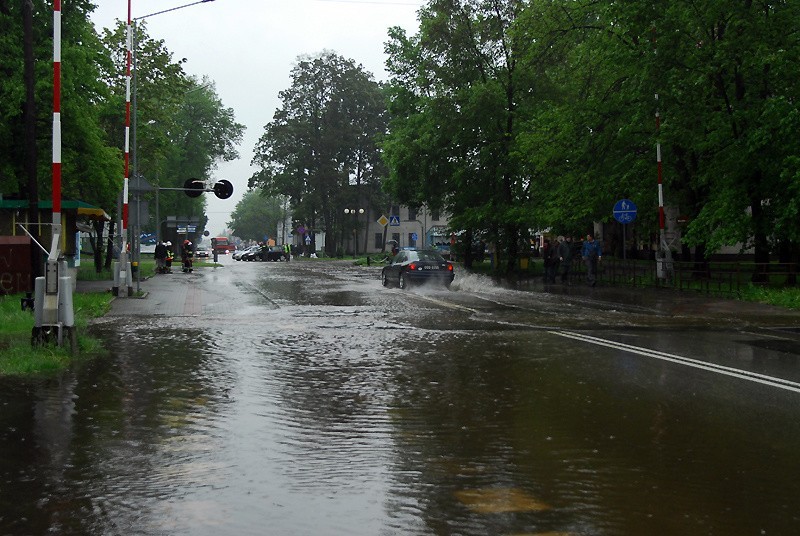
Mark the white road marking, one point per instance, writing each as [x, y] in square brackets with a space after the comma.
[441, 303]
[711, 367]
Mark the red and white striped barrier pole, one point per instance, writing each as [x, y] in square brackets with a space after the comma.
[56, 118]
[122, 272]
[53, 300]
[128, 60]
[664, 255]
[660, 181]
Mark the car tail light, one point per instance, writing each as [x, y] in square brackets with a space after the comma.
[412, 266]
[449, 267]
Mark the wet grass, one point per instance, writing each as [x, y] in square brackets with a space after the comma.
[19, 358]
[87, 272]
[788, 297]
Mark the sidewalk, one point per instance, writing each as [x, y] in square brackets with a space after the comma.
[163, 295]
[679, 303]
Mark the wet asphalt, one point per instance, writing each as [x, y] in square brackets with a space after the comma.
[182, 294]
[304, 398]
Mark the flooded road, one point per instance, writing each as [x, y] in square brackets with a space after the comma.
[303, 398]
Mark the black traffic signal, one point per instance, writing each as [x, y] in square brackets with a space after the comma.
[194, 187]
[223, 189]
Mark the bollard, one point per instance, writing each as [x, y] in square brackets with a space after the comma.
[115, 286]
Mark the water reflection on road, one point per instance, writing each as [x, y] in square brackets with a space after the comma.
[304, 398]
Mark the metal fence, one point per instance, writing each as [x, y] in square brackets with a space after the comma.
[710, 277]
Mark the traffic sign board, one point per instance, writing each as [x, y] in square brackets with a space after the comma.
[394, 221]
[383, 221]
[625, 211]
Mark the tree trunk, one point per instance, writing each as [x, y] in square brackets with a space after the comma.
[788, 257]
[701, 270]
[30, 136]
[512, 237]
[761, 245]
[467, 242]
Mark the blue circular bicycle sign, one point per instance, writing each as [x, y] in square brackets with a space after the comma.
[625, 211]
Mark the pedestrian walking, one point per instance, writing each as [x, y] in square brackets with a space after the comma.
[287, 249]
[565, 257]
[553, 261]
[592, 253]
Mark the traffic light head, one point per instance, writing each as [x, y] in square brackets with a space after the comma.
[194, 187]
[223, 189]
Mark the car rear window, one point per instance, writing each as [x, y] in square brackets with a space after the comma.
[430, 256]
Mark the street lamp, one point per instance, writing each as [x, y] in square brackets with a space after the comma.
[355, 213]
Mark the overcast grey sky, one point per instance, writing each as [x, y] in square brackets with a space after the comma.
[248, 47]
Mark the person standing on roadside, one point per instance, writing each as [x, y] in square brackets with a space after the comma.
[565, 257]
[554, 261]
[170, 257]
[591, 253]
[160, 254]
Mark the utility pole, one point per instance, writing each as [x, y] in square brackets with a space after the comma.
[30, 133]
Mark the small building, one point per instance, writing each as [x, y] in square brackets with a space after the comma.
[16, 244]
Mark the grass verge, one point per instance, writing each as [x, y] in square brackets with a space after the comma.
[788, 297]
[19, 358]
[87, 272]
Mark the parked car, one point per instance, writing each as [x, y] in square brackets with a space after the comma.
[273, 253]
[239, 254]
[201, 252]
[253, 253]
[415, 266]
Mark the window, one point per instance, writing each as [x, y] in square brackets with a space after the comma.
[435, 215]
[412, 213]
[378, 240]
[395, 210]
[411, 241]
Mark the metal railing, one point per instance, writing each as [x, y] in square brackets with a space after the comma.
[708, 277]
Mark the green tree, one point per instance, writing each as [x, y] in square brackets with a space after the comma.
[205, 133]
[730, 72]
[456, 94]
[320, 149]
[87, 158]
[257, 216]
[183, 130]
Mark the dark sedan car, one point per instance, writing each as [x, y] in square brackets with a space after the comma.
[273, 253]
[412, 266]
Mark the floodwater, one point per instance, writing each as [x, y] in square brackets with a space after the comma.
[303, 398]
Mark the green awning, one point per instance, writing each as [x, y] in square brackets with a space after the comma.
[81, 207]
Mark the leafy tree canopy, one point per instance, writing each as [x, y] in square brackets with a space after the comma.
[320, 150]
